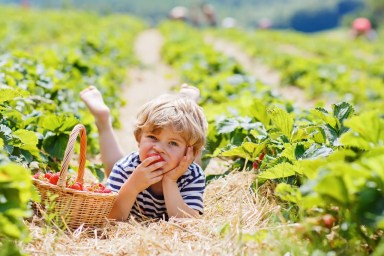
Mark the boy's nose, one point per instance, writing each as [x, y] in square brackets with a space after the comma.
[158, 148]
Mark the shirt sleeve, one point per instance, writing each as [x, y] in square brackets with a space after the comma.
[121, 172]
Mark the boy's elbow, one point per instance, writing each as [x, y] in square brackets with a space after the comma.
[117, 214]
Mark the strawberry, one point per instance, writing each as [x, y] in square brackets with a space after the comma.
[97, 188]
[157, 160]
[255, 165]
[107, 190]
[54, 178]
[37, 175]
[101, 186]
[328, 220]
[76, 186]
[48, 175]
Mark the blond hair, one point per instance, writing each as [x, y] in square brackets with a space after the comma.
[178, 112]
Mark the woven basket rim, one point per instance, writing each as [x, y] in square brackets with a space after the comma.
[48, 185]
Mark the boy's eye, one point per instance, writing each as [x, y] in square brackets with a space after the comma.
[151, 137]
[173, 143]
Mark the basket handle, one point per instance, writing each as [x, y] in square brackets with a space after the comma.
[78, 129]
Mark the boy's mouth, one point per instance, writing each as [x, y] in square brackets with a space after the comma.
[157, 160]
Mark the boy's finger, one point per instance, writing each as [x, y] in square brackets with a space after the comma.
[155, 166]
[152, 159]
[189, 155]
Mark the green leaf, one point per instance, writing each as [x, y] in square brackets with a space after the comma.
[97, 170]
[373, 163]
[282, 120]
[259, 111]
[299, 151]
[331, 134]
[13, 115]
[354, 140]
[289, 151]
[315, 151]
[8, 248]
[10, 197]
[288, 193]
[27, 141]
[247, 150]
[318, 135]
[370, 206]
[55, 145]
[16, 190]
[8, 93]
[9, 228]
[58, 123]
[282, 170]
[342, 111]
[227, 125]
[310, 167]
[338, 194]
[325, 116]
[300, 134]
[368, 125]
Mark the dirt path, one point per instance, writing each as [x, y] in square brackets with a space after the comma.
[265, 74]
[145, 83]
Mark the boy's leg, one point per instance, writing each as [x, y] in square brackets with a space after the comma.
[110, 150]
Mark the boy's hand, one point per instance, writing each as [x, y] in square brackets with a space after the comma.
[147, 173]
[177, 172]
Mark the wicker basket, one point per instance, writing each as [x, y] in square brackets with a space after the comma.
[73, 208]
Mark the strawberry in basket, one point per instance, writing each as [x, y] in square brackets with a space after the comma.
[98, 188]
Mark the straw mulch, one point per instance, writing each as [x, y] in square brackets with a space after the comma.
[232, 212]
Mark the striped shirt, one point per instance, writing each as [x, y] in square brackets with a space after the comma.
[150, 205]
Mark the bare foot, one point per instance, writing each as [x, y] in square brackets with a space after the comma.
[95, 103]
[190, 91]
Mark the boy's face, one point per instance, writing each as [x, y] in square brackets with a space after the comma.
[165, 142]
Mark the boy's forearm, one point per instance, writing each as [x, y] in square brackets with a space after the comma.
[124, 202]
[176, 207]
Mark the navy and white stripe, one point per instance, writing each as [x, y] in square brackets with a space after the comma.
[191, 185]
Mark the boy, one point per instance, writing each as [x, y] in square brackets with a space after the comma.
[160, 180]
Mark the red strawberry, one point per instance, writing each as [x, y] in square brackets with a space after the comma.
[255, 165]
[157, 160]
[76, 186]
[107, 190]
[37, 175]
[54, 178]
[48, 175]
[328, 220]
[101, 186]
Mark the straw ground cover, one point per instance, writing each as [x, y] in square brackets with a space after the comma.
[233, 217]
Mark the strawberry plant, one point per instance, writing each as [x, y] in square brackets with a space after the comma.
[16, 190]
